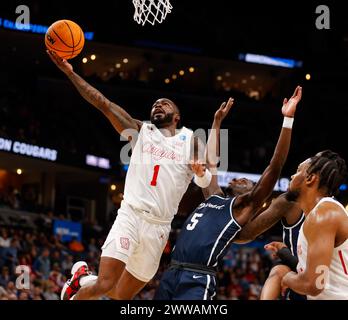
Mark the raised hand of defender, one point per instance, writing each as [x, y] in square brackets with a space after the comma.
[198, 168]
[222, 112]
[289, 106]
[62, 64]
[274, 247]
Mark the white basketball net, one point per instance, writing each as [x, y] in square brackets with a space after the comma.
[151, 10]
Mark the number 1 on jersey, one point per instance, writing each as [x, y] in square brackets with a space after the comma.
[155, 174]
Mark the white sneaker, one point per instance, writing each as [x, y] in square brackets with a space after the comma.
[70, 288]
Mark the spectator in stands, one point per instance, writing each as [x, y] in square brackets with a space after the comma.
[5, 240]
[11, 288]
[14, 198]
[67, 264]
[76, 246]
[3, 294]
[221, 294]
[56, 258]
[37, 293]
[57, 277]
[23, 295]
[5, 277]
[27, 241]
[57, 243]
[50, 292]
[42, 264]
[10, 254]
[92, 247]
[255, 289]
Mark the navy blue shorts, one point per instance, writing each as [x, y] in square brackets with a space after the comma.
[179, 284]
[292, 295]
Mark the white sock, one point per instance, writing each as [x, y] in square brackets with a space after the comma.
[88, 280]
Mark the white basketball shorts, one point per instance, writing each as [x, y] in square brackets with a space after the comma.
[137, 241]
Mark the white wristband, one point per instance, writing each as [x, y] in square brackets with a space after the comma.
[287, 123]
[204, 181]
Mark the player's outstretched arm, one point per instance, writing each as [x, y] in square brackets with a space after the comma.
[118, 117]
[267, 219]
[212, 152]
[320, 229]
[265, 185]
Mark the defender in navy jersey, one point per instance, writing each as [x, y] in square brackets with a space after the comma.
[216, 222]
[291, 222]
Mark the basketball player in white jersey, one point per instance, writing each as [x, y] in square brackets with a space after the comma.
[322, 248]
[158, 176]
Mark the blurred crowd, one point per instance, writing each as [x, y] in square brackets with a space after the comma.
[47, 258]
[49, 261]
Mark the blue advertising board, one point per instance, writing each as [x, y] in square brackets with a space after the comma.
[67, 230]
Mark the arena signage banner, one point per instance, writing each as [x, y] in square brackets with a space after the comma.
[99, 162]
[67, 230]
[34, 28]
[29, 150]
[224, 177]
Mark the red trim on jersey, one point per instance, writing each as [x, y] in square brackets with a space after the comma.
[342, 261]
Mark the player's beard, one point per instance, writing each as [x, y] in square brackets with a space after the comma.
[162, 121]
[292, 195]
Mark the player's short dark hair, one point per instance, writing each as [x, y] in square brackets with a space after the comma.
[331, 168]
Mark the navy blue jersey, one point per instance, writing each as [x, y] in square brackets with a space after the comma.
[207, 233]
[290, 233]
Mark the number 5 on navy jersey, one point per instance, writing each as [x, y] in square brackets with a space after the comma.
[194, 221]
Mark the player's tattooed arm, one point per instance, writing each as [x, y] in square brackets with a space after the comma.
[119, 118]
[267, 219]
[264, 187]
[212, 152]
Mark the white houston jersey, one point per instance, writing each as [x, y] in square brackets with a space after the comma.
[337, 282]
[159, 172]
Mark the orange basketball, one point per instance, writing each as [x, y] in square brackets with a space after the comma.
[65, 38]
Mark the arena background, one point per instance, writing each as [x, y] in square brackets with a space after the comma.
[77, 189]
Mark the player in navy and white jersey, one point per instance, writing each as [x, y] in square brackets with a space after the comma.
[291, 222]
[291, 230]
[215, 223]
